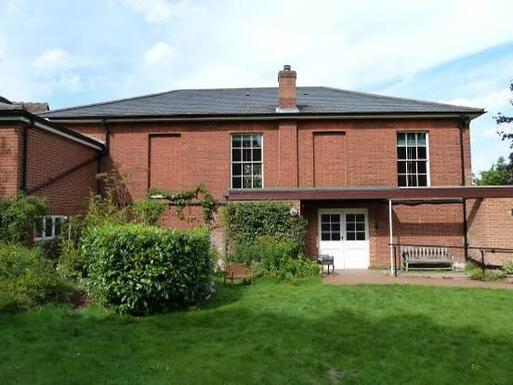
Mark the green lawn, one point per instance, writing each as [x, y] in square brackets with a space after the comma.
[273, 334]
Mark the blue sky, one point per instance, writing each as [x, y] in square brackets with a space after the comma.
[75, 52]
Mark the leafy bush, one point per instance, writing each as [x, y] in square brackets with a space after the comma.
[277, 259]
[247, 222]
[143, 269]
[18, 215]
[27, 279]
[147, 212]
[507, 268]
[475, 272]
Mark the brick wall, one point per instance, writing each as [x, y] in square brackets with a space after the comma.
[48, 157]
[490, 224]
[10, 159]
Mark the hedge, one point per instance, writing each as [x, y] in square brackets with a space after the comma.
[143, 269]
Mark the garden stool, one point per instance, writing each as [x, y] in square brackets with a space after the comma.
[327, 260]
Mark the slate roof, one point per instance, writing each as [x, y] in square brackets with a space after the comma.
[254, 101]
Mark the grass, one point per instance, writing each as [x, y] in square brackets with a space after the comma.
[273, 333]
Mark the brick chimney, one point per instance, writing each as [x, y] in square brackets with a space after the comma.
[287, 90]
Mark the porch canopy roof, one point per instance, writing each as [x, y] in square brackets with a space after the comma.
[360, 193]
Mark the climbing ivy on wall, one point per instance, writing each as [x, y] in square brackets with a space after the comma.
[199, 196]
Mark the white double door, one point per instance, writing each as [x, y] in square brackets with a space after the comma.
[344, 234]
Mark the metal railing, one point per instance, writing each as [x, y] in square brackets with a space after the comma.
[482, 251]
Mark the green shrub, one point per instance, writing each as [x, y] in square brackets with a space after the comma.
[27, 279]
[276, 258]
[475, 272]
[246, 222]
[143, 269]
[18, 215]
[147, 212]
[507, 268]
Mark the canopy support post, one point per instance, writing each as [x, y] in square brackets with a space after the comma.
[391, 236]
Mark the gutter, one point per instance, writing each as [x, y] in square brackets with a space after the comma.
[240, 117]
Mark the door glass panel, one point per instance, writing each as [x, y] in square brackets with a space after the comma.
[355, 227]
[330, 227]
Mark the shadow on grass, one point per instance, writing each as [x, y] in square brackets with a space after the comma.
[246, 336]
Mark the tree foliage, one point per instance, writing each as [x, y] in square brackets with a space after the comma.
[505, 122]
[498, 174]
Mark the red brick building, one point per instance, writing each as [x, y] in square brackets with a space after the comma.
[47, 160]
[363, 169]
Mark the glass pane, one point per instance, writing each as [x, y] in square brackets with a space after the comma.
[246, 182]
[257, 141]
[421, 167]
[257, 182]
[411, 152]
[412, 180]
[335, 218]
[257, 155]
[236, 141]
[325, 227]
[48, 227]
[421, 152]
[410, 139]
[401, 180]
[401, 152]
[335, 227]
[422, 180]
[351, 236]
[236, 182]
[421, 138]
[401, 167]
[325, 218]
[246, 155]
[58, 225]
[360, 227]
[359, 217]
[236, 169]
[401, 139]
[411, 167]
[246, 141]
[350, 227]
[246, 169]
[325, 236]
[257, 169]
[360, 236]
[335, 236]
[236, 155]
[350, 218]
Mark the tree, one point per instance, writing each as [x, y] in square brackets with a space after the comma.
[507, 135]
[498, 174]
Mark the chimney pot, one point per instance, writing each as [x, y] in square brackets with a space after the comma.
[287, 90]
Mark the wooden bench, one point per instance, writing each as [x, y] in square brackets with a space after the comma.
[426, 258]
[234, 271]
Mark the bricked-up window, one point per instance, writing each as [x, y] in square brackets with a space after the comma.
[412, 159]
[247, 162]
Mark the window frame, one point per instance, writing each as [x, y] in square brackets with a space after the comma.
[232, 134]
[427, 160]
[43, 236]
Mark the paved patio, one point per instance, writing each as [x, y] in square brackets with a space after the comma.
[380, 277]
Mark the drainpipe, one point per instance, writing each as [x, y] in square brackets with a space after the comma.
[391, 235]
[462, 124]
[24, 156]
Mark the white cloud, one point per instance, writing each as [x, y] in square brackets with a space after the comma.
[52, 60]
[154, 11]
[158, 53]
